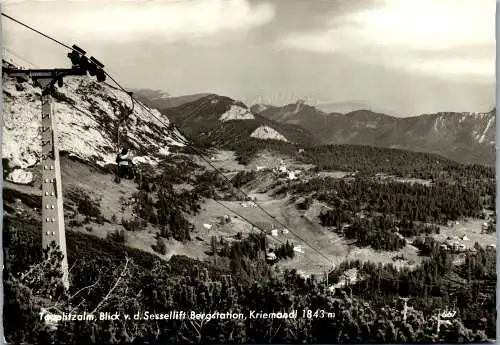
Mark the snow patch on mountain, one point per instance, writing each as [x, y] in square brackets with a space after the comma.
[164, 151]
[266, 132]
[479, 126]
[237, 112]
[87, 114]
[298, 106]
[488, 125]
[145, 160]
[161, 95]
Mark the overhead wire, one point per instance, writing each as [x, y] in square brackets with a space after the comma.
[121, 88]
[421, 284]
[37, 31]
[246, 219]
[201, 155]
[134, 100]
[187, 143]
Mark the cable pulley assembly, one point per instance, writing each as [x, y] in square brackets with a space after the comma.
[93, 66]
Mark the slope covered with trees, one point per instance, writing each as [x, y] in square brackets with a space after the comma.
[465, 137]
[380, 214]
[108, 277]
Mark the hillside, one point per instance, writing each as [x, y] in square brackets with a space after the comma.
[87, 116]
[464, 137]
[224, 122]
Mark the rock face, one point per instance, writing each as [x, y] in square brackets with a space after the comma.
[237, 112]
[88, 115]
[265, 132]
[20, 176]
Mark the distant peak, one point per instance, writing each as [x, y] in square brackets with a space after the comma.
[259, 108]
[152, 94]
[468, 113]
[361, 112]
[298, 106]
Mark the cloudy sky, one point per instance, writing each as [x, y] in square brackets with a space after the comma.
[404, 57]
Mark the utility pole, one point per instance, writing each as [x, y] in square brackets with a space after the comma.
[52, 197]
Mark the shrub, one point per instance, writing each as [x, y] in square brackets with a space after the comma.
[85, 204]
[305, 204]
[160, 246]
[134, 224]
[285, 251]
[242, 178]
[89, 207]
[119, 236]
[491, 228]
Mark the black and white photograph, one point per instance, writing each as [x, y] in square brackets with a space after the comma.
[248, 171]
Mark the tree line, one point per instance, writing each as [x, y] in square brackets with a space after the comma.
[369, 160]
[437, 203]
[380, 214]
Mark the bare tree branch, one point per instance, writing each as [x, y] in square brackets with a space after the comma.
[34, 267]
[197, 328]
[113, 288]
[72, 266]
[74, 308]
[277, 330]
[83, 288]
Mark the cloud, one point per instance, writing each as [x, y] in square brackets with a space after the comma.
[395, 33]
[165, 20]
[303, 15]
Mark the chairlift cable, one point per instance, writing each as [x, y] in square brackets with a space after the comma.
[207, 161]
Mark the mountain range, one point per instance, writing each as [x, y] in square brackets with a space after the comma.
[162, 100]
[160, 238]
[464, 137]
[221, 121]
[347, 107]
[84, 106]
